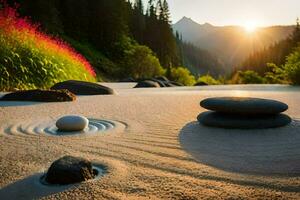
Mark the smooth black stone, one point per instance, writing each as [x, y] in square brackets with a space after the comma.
[244, 105]
[83, 88]
[40, 96]
[69, 170]
[233, 121]
[201, 84]
[147, 84]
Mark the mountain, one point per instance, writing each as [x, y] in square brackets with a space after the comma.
[232, 44]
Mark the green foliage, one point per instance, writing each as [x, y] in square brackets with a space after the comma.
[103, 66]
[292, 67]
[103, 24]
[208, 79]
[276, 74]
[27, 67]
[182, 75]
[30, 59]
[138, 61]
[275, 53]
[248, 77]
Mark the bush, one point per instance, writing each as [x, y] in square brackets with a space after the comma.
[30, 59]
[208, 80]
[182, 75]
[292, 67]
[276, 75]
[248, 77]
[137, 61]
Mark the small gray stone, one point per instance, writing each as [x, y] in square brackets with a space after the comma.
[223, 120]
[72, 123]
[68, 170]
[244, 106]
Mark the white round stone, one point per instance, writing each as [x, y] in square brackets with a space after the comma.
[72, 123]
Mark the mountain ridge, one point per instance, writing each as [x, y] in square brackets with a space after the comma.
[231, 43]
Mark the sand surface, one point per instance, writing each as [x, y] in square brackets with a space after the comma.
[160, 153]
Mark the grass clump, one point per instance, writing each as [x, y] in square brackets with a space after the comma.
[31, 59]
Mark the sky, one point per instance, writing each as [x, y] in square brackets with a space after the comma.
[236, 12]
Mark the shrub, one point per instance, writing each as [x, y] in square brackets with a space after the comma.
[292, 67]
[248, 77]
[137, 61]
[182, 75]
[276, 75]
[208, 79]
[31, 59]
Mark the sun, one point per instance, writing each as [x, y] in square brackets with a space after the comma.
[250, 26]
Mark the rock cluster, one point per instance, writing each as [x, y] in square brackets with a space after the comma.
[243, 113]
[156, 82]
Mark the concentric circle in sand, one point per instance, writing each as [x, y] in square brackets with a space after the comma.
[96, 126]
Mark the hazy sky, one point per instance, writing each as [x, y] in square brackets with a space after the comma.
[236, 12]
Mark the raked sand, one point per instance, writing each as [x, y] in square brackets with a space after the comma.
[159, 151]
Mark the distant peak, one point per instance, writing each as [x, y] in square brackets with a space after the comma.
[207, 24]
[186, 20]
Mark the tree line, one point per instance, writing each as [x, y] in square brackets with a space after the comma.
[110, 29]
[276, 53]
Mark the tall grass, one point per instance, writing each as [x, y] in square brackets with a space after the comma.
[31, 59]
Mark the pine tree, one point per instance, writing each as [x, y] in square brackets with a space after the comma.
[139, 6]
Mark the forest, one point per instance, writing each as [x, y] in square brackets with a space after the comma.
[278, 63]
[45, 42]
[113, 35]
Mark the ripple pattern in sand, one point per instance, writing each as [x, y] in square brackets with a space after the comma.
[96, 126]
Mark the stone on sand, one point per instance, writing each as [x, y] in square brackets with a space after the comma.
[69, 170]
[83, 88]
[244, 105]
[40, 96]
[233, 121]
[147, 84]
[72, 123]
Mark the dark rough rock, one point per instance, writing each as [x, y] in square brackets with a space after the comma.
[40, 96]
[244, 106]
[83, 88]
[201, 84]
[69, 170]
[162, 78]
[233, 121]
[147, 84]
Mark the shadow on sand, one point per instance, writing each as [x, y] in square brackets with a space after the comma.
[18, 103]
[265, 151]
[30, 188]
